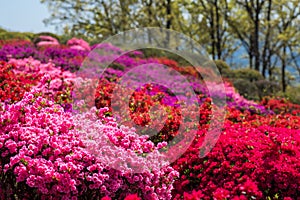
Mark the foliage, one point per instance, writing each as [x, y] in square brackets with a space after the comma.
[2, 30]
[37, 38]
[248, 74]
[150, 52]
[269, 39]
[246, 88]
[48, 34]
[15, 35]
[292, 94]
[221, 65]
[267, 88]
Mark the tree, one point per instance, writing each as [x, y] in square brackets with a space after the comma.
[204, 21]
[95, 19]
[245, 23]
[289, 13]
[267, 30]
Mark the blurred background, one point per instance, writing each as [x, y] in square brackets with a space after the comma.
[254, 43]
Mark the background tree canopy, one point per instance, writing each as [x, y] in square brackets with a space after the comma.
[266, 32]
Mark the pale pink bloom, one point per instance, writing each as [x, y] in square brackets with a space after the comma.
[47, 41]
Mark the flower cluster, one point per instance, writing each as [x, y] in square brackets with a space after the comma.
[195, 74]
[43, 149]
[237, 175]
[78, 44]
[55, 83]
[13, 84]
[47, 41]
[280, 105]
[255, 157]
[68, 133]
[62, 56]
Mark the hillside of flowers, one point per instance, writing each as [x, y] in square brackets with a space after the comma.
[47, 152]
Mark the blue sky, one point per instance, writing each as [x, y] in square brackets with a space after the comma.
[24, 16]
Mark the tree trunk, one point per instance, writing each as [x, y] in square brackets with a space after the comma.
[256, 37]
[283, 66]
[266, 56]
[219, 41]
[168, 22]
[250, 52]
[149, 7]
[212, 34]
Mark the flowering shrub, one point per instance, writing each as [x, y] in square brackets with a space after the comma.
[43, 152]
[17, 50]
[247, 161]
[13, 85]
[140, 104]
[15, 42]
[282, 106]
[68, 59]
[52, 147]
[56, 84]
[47, 41]
[79, 44]
[233, 98]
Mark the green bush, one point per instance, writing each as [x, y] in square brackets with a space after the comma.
[228, 73]
[2, 30]
[256, 90]
[117, 66]
[246, 88]
[30, 35]
[7, 35]
[267, 88]
[13, 35]
[36, 39]
[292, 94]
[160, 53]
[222, 66]
[48, 34]
[64, 38]
[247, 74]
